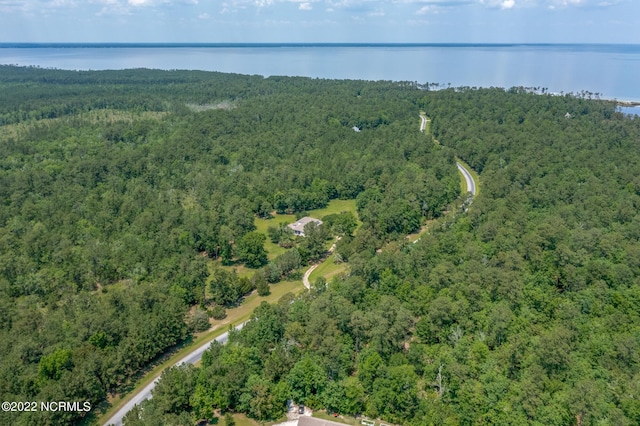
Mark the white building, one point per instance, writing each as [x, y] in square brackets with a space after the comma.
[298, 226]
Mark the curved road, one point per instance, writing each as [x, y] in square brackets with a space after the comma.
[145, 393]
[305, 278]
[423, 124]
[471, 185]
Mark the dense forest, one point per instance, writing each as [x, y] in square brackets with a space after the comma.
[120, 188]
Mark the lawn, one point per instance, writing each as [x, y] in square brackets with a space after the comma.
[240, 268]
[335, 206]
[251, 302]
[241, 420]
[339, 419]
[327, 269]
[274, 250]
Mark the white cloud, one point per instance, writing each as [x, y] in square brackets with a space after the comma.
[235, 5]
[436, 6]
[14, 6]
[432, 7]
[562, 4]
[502, 4]
[27, 6]
[424, 10]
[565, 3]
[440, 3]
[128, 7]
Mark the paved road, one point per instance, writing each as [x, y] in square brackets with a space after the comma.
[471, 185]
[193, 357]
[423, 125]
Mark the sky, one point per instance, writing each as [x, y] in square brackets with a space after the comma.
[330, 21]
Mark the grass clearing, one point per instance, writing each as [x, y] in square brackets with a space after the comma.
[240, 269]
[424, 228]
[347, 420]
[274, 250]
[225, 105]
[97, 116]
[251, 302]
[241, 420]
[328, 269]
[335, 207]
[263, 224]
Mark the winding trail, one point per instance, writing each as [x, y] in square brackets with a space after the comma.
[305, 277]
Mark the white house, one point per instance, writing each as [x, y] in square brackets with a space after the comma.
[298, 226]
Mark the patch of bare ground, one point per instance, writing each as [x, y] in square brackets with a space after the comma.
[225, 105]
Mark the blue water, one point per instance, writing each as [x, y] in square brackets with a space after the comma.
[630, 110]
[612, 71]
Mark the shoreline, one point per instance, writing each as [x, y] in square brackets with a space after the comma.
[630, 104]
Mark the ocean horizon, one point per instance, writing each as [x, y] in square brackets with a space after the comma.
[298, 44]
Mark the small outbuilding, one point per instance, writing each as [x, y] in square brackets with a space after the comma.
[298, 226]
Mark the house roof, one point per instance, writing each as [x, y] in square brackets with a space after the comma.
[300, 223]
